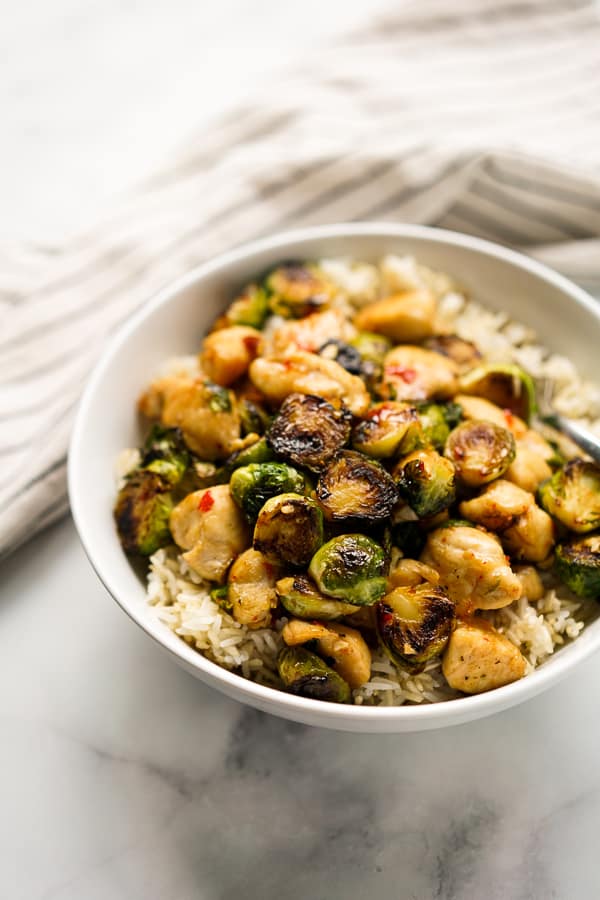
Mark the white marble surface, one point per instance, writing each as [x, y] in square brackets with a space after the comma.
[121, 776]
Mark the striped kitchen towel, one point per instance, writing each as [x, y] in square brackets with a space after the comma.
[481, 116]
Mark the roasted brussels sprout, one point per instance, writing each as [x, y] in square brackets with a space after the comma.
[251, 486]
[289, 529]
[309, 431]
[254, 419]
[437, 420]
[572, 495]
[250, 308]
[414, 624]
[296, 289]
[301, 598]
[506, 385]
[480, 451]
[464, 353]
[259, 452]
[578, 565]
[345, 355]
[166, 454]
[344, 648]
[350, 567]
[355, 487]
[219, 398]
[142, 513]
[372, 349]
[305, 673]
[426, 481]
[388, 429]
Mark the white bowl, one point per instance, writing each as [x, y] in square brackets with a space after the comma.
[566, 319]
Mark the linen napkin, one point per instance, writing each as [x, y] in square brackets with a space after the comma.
[482, 116]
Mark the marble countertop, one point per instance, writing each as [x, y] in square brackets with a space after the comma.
[123, 777]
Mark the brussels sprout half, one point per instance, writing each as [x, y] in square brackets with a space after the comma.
[305, 673]
[506, 385]
[356, 487]
[289, 529]
[308, 430]
[414, 624]
[302, 599]
[410, 538]
[426, 481]
[388, 429]
[296, 289]
[345, 355]
[251, 486]
[350, 567]
[254, 419]
[165, 454]
[437, 420]
[250, 308]
[142, 513]
[464, 353]
[572, 495]
[578, 565]
[480, 451]
[372, 349]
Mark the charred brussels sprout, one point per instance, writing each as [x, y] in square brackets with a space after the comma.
[355, 487]
[578, 565]
[426, 481]
[289, 529]
[372, 349]
[387, 429]
[142, 513]
[462, 352]
[253, 417]
[251, 486]
[437, 420]
[480, 451]
[296, 289]
[309, 431]
[414, 624]
[345, 355]
[259, 452]
[305, 673]
[572, 495]
[165, 454]
[250, 308]
[302, 599]
[350, 567]
[508, 386]
[219, 398]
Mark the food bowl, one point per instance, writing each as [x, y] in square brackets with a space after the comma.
[565, 318]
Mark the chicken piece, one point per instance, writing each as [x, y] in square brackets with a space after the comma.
[479, 409]
[206, 413]
[530, 466]
[227, 354]
[311, 333]
[472, 568]
[498, 505]
[531, 537]
[340, 643]
[409, 573]
[479, 659]
[251, 589]
[411, 373]
[533, 588]
[307, 373]
[209, 525]
[407, 316]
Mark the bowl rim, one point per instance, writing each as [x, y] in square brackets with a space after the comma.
[418, 717]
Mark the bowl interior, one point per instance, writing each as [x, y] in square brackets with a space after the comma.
[174, 323]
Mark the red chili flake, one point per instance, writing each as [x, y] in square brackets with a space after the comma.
[207, 501]
[407, 375]
[509, 417]
[251, 343]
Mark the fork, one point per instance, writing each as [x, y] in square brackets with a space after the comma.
[582, 436]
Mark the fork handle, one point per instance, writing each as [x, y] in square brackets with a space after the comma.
[582, 436]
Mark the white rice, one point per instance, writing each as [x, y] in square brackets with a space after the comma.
[182, 599]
